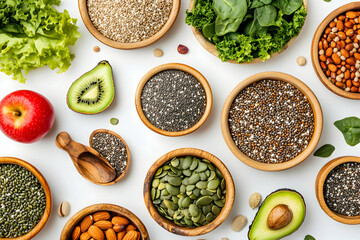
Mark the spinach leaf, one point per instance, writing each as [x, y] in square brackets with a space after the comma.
[262, 31]
[325, 151]
[233, 9]
[256, 4]
[287, 6]
[350, 128]
[252, 28]
[233, 36]
[266, 15]
[266, 2]
[309, 237]
[223, 27]
[209, 30]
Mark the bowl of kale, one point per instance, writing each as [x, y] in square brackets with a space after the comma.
[246, 31]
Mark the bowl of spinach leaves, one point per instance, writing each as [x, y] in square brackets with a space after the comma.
[246, 31]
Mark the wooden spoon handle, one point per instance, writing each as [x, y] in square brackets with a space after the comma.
[64, 142]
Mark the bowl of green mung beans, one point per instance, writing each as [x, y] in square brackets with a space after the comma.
[26, 199]
[189, 192]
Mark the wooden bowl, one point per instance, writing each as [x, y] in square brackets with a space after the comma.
[170, 226]
[117, 210]
[44, 184]
[319, 189]
[210, 47]
[174, 66]
[127, 151]
[115, 44]
[318, 121]
[315, 51]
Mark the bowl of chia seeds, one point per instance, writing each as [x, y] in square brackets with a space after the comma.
[126, 24]
[25, 199]
[112, 147]
[338, 189]
[173, 99]
[271, 121]
[189, 192]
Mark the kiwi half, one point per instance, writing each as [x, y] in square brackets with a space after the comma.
[94, 91]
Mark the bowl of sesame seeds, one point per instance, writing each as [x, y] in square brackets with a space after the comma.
[128, 24]
[271, 121]
[173, 99]
[337, 189]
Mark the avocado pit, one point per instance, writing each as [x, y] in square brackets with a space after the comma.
[279, 217]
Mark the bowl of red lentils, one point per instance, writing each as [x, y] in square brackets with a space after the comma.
[335, 51]
[126, 24]
[271, 121]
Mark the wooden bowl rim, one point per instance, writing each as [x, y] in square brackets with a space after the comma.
[77, 217]
[187, 69]
[170, 226]
[315, 51]
[210, 47]
[315, 105]
[44, 184]
[319, 189]
[127, 153]
[115, 44]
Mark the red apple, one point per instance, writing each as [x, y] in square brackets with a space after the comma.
[26, 116]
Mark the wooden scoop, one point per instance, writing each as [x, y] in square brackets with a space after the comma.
[87, 161]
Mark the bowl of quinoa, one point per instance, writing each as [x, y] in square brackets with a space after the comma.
[271, 121]
[128, 24]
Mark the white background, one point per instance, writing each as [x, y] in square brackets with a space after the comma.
[146, 146]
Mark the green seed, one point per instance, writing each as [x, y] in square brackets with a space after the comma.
[213, 184]
[204, 200]
[186, 162]
[175, 162]
[215, 210]
[187, 172]
[158, 172]
[196, 192]
[162, 186]
[206, 192]
[201, 167]
[206, 209]
[169, 204]
[186, 202]
[182, 189]
[201, 184]
[175, 181]
[194, 178]
[194, 163]
[153, 193]
[194, 210]
[155, 183]
[197, 218]
[172, 190]
[114, 121]
[209, 217]
[190, 188]
[203, 176]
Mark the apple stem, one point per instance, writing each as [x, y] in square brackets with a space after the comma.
[17, 113]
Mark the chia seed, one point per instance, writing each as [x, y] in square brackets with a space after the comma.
[342, 189]
[271, 121]
[22, 201]
[129, 21]
[112, 149]
[173, 100]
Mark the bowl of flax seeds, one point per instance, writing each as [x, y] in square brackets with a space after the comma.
[271, 121]
[128, 24]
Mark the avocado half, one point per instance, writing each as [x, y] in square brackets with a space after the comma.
[260, 230]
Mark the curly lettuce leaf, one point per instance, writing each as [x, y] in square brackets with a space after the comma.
[202, 14]
[34, 34]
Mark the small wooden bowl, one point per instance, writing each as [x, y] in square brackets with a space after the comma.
[115, 44]
[44, 184]
[174, 66]
[170, 226]
[319, 189]
[318, 121]
[210, 47]
[315, 51]
[74, 220]
[127, 151]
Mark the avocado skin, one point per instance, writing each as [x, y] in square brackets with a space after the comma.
[281, 189]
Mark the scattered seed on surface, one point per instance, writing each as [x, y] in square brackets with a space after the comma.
[301, 61]
[129, 21]
[173, 100]
[22, 201]
[224, 239]
[158, 52]
[112, 149]
[238, 223]
[96, 48]
[342, 189]
[64, 209]
[254, 200]
[271, 121]
[182, 49]
[114, 121]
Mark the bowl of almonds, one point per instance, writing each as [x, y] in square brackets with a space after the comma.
[335, 51]
[104, 221]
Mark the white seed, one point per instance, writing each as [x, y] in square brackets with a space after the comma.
[343, 58]
[336, 39]
[358, 37]
[343, 68]
[356, 45]
[334, 29]
[64, 209]
[338, 79]
[357, 74]
[357, 65]
[341, 75]
[335, 50]
[158, 52]
[254, 200]
[301, 61]
[347, 89]
[321, 52]
[238, 223]
[339, 54]
[356, 20]
[356, 79]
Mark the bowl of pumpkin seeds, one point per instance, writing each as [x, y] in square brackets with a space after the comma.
[189, 192]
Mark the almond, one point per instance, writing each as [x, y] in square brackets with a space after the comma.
[336, 58]
[110, 234]
[96, 233]
[85, 236]
[86, 223]
[119, 227]
[104, 225]
[76, 233]
[131, 235]
[120, 235]
[130, 228]
[99, 216]
[119, 220]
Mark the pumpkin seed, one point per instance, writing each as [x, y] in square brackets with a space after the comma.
[158, 192]
[153, 193]
[162, 186]
[215, 210]
[206, 209]
[194, 163]
[155, 183]
[188, 222]
[172, 190]
[182, 189]
[201, 184]
[175, 162]
[209, 217]
[201, 167]
[206, 192]
[157, 201]
[219, 203]
[194, 178]
[212, 175]
[197, 218]
[190, 187]
[211, 166]
[207, 173]
[186, 162]
[203, 176]
[158, 172]
[186, 202]
[194, 210]
[169, 204]
[187, 172]
[204, 200]
[213, 184]
[175, 181]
